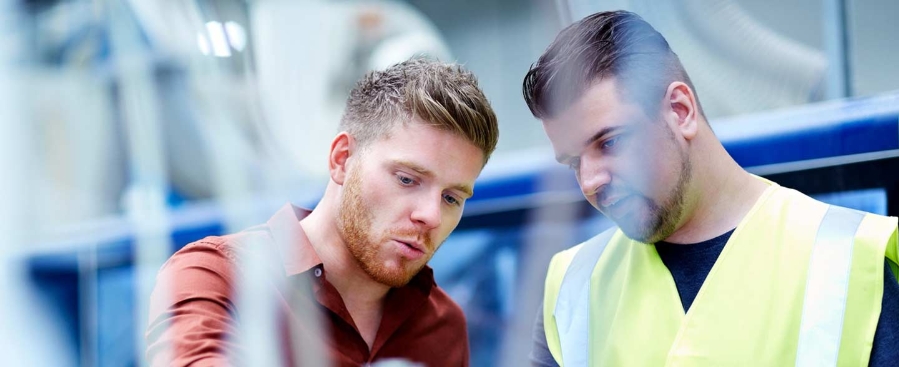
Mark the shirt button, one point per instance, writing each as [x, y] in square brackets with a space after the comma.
[318, 272]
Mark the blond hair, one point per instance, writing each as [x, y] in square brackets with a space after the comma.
[442, 95]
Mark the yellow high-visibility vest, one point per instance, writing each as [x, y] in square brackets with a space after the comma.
[799, 282]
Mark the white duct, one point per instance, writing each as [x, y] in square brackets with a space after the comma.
[309, 55]
[737, 64]
[306, 56]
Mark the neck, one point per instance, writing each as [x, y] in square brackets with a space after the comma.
[363, 296]
[722, 194]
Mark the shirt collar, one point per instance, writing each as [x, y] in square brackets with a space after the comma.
[296, 252]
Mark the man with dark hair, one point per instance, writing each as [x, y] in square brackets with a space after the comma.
[414, 139]
[708, 265]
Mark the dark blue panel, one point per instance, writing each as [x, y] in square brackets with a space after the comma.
[871, 135]
[504, 187]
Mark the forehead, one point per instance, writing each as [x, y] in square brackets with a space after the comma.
[600, 106]
[449, 157]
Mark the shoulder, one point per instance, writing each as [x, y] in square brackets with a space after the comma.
[559, 264]
[879, 234]
[203, 269]
[595, 245]
[560, 261]
[878, 230]
[214, 254]
[445, 308]
[875, 235]
[870, 221]
[439, 328]
[787, 202]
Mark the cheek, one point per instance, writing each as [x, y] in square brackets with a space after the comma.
[664, 171]
[387, 197]
[646, 166]
[448, 223]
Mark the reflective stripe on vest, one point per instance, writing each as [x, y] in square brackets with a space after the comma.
[826, 288]
[823, 308]
[572, 310]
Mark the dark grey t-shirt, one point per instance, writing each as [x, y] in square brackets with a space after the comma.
[690, 264]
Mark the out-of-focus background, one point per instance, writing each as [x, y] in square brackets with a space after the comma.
[130, 128]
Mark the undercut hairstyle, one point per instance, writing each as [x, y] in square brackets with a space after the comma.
[445, 96]
[616, 44]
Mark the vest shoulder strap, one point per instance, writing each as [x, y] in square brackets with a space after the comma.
[572, 311]
[827, 288]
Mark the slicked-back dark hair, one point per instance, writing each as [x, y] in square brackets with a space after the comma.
[617, 44]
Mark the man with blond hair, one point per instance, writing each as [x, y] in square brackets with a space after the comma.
[413, 140]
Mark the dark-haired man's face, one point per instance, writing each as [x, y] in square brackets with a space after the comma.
[629, 165]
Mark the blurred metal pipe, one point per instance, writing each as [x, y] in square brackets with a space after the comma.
[144, 199]
[28, 337]
[563, 8]
[837, 49]
[87, 302]
[550, 229]
[258, 329]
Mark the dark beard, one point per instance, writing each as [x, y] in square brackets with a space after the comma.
[663, 219]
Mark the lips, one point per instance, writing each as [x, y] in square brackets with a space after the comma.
[609, 201]
[410, 249]
[618, 206]
[412, 244]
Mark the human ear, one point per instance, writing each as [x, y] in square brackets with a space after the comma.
[342, 148]
[682, 109]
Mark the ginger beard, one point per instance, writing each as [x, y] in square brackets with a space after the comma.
[354, 224]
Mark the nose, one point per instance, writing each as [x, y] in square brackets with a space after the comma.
[592, 176]
[427, 213]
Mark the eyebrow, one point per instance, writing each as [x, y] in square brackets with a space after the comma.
[562, 158]
[466, 189]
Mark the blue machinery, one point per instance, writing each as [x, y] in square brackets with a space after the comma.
[835, 147]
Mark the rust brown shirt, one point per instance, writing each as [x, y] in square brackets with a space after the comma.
[192, 310]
